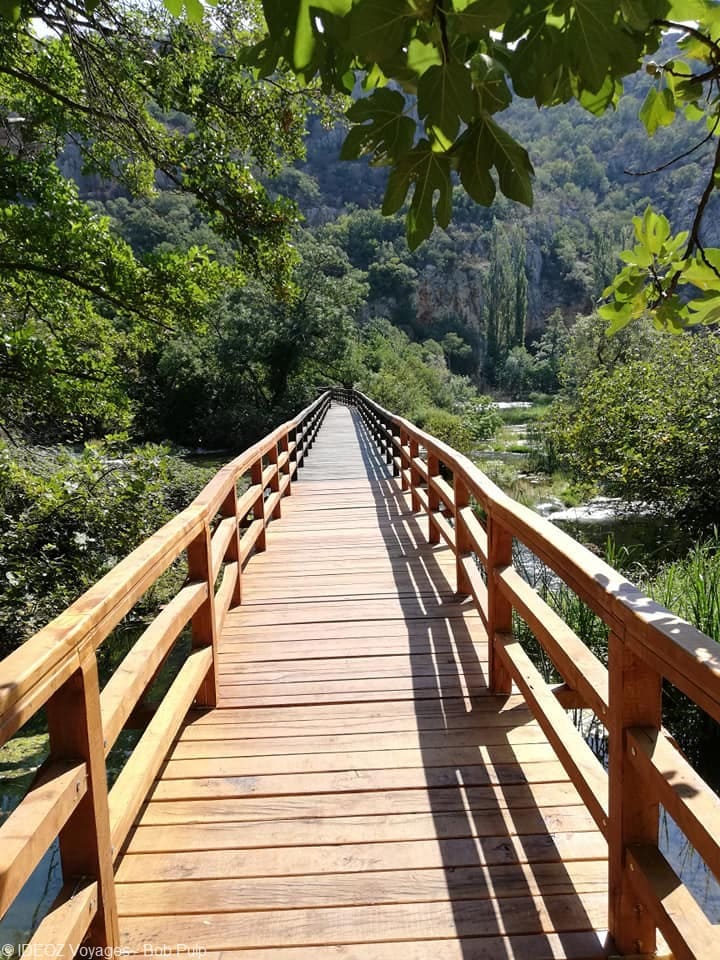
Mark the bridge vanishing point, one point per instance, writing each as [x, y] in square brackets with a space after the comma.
[345, 766]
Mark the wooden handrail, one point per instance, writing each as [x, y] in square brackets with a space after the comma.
[57, 669]
[646, 644]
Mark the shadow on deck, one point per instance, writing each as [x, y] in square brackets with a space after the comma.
[359, 793]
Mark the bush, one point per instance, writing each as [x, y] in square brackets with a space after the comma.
[67, 518]
[649, 430]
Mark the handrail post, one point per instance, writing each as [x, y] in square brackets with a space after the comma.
[461, 499]
[404, 481]
[635, 700]
[433, 464]
[228, 508]
[275, 480]
[204, 631]
[75, 727]
[499, 607]
[414, 475]
[256, 472]
[388, 441]
[285, 448]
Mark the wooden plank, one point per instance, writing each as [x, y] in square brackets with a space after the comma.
[121, 693]
[75, 733]
[361, 857]
[584, 768]
[129, 790]
[211, 809]
[31, 828]
[342, 830]
[493, 725]
[249, 538]
[358, 889]
[578, 666]
[235, 671]
[372, 924]
[585, 945]
[412, 778]
[689, 933]
[476, 532]
[229, 741]
[224, 596]
[248, 500]
[220, 541]
[453, 713]
[65, 926]
[229, 765]
[692, 804]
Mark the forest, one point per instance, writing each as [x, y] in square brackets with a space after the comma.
[497, 219]
[185, 259]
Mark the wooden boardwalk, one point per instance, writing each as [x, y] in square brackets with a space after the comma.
[358, 793]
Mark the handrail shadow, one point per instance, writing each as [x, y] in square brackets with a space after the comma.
[475, 863]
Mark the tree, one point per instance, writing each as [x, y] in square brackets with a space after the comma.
[642, 442]
[145, 101]
[437, 74]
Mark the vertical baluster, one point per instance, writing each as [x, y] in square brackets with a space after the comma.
[275, 480]
[461, 498]
[284, 448]
[499, 608]
[387, 440]
[229, 509]
[415, 477]
[75, 727]
[635, 700]
[404, 481]
[433, 465]
[259, 505]
[204, 633]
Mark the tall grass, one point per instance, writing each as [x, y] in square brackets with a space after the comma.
[689, 587]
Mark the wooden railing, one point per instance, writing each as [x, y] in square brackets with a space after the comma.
[646, 644]
[57, 670]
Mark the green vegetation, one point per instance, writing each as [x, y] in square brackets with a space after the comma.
[647, 429]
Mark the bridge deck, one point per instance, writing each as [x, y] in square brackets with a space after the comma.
[358, 785]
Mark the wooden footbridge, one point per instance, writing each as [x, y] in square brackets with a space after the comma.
[345, 766]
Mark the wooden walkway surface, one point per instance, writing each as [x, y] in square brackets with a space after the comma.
[357, 784]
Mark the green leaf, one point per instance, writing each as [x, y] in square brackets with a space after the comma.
[484, 145]
[422, 55]
[705, 309]
[608, 95]
[618, 315]
[429, 174]
[704, 271]
[445, 96]
[10, 10]
[194, 10]
[378, 27]
[652, 230]
[490, 83]
[591, 36]
[658, 109]
[475, 19]
[382, 129]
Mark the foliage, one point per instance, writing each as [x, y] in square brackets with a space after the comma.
[648, 430]
[101, 78]
[67, 517]
[414, 381]
[690, 587]
[438, 82]
[261, 358]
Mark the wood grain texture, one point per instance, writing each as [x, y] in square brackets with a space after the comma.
[358, 790]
